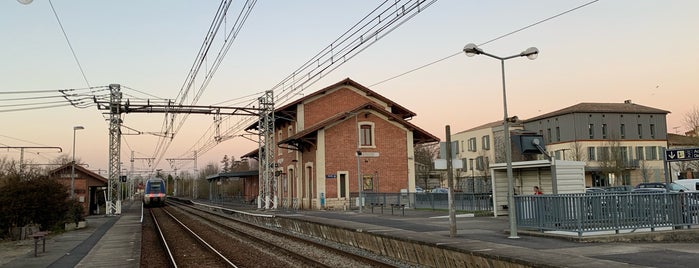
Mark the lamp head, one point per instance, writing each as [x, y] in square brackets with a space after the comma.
[531, 53]
[78, 127]
[471, 50]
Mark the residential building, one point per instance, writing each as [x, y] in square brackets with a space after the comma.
[478, 148]
[621, 143]
[339, 138]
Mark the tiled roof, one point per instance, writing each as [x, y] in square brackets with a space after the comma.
[589, 107]
[681, 140]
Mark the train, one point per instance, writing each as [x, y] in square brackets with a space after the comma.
[155, 193]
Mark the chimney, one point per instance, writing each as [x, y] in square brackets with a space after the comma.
[627, 101]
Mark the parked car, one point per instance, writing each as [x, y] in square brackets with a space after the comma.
[674, 187]
[691, 184]
[619, 189]
[419, 189]
[441, 190]
[594, 190]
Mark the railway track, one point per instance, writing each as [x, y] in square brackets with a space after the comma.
[189, 250]
[292, 249]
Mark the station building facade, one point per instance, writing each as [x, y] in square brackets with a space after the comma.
[340, 138]
[89, 187]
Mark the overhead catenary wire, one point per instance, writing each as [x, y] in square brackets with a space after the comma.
[381, 21]
[69, 45]
[485, 43]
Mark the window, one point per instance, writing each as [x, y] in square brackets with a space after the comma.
[365, 134]
[557, 155]
[591, 153]
[486, 142]
[558, 134]
[640, 131]
[343, 185]
[479, 163]
[604, 131]
[548, 135]
[652, 131]
[603, 153]
[280, 134]
[624, 151]
[289, 133]
[472, 145]
[639, 152]
[651, 153]
[622, 131]
[591, 130]
[462, 146]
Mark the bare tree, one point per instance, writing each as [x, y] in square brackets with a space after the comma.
[646, 171]
[613, 158]
[577, 151]
[425, 154]
[691, 120]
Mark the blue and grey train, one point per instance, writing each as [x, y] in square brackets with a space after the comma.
[155, 192]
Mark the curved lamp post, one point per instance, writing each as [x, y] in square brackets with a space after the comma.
[72, 167]
[531, 53]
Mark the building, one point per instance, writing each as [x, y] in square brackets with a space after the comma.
[89, 187]
[341, 137]
[621, 143]
[478, 148]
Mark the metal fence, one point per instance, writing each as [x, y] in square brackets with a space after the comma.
[434, 201]
[584, 213]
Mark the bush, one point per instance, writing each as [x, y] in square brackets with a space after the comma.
[33, 200]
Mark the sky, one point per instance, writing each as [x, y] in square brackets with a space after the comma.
[608, 51]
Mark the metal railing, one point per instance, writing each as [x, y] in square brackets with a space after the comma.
[585, 213]
[434, 201]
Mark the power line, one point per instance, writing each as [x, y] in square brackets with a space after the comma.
[487, 42]
[69, 45]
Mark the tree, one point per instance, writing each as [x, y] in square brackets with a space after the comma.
[691, 120]
[612, 159]
[577, 151]
[425, 154]
[226, 164]
[35, 200]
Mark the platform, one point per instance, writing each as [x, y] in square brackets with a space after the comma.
[113, 241]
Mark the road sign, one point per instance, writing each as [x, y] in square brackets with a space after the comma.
[689, 154]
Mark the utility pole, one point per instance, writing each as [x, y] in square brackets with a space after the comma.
[116, 107]
[450, 185]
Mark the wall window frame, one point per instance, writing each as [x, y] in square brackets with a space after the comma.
[367, 135]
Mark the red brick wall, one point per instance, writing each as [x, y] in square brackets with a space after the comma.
[330, 104]
[391, 166]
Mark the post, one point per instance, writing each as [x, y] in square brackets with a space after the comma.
[359, 170]
[72, 170]
[511, 212]
[450, 185]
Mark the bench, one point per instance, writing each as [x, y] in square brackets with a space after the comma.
[376, 205]
[398, 206]
[37, 236]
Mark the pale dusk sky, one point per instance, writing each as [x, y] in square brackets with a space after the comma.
[608, 51]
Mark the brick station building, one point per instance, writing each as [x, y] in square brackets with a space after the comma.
[89, 187]
[319, 135]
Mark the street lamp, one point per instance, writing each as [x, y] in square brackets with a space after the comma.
[72, 167]
[531, 53]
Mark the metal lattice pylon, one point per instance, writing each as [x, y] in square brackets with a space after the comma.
[267, 165]
[114, 148]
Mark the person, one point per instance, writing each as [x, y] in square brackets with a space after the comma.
[537, 191]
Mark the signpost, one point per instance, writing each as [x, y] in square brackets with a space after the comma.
[689, 154]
